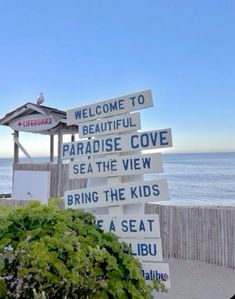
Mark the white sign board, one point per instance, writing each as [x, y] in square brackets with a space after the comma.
[31, 185]
[128, 226]
[107, 196]
[34, 123]
[119, 143]
[115, 106]
[115, 166]
[110, 125]
[145, 249]
[151, 271]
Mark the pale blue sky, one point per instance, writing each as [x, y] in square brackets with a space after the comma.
[78, 52]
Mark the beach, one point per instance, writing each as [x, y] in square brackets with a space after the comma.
[198, 280]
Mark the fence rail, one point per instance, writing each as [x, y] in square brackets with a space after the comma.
[10, 203]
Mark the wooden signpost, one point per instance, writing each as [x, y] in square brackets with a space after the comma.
[146, 250]
[127, 226]
[115, 106]
[152, 271]
[116, 166]
[111, 125]
[113, 195]
[117, 144]
[113, 152]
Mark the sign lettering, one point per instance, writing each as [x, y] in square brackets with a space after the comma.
[145, 249]
[114, 166]
[111, 125]
[33, 123]
[151, 271]
[116, 144]
[127, 193]
[129, 226]
[115, 106]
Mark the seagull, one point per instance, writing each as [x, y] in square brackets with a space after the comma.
[40, 99]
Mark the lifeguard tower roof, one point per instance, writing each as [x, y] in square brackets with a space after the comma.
[36, 118]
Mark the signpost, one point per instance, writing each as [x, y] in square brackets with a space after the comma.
[115, 106]
[152, 271]
[128, 226]
[148, 250]
[117, 144]
[111, 125]
[103, 124]
[116, 166]
[113, 195]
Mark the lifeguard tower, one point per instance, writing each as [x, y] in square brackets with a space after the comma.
[33, 180]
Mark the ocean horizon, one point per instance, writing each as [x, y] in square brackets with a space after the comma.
[193, 178]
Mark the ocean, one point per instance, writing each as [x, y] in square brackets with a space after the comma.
[197, 179]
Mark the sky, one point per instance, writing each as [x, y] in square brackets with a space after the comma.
[80, 51]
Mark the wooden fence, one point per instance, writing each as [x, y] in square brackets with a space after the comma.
[204, 234]
[10, 203]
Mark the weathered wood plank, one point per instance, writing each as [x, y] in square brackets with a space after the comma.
[197, 233]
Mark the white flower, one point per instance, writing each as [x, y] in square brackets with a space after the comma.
[9, 248]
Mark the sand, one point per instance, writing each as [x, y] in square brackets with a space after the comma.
[197, 280]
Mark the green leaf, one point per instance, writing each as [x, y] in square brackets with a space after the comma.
[62, 253]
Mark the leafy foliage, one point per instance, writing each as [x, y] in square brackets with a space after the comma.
[50, 253]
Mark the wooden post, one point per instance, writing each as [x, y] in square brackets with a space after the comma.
[16, 148]
[51, 148]
[72, 140]
[59, 161]
[60, 141]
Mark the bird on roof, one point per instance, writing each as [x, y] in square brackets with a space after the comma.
[40, 99]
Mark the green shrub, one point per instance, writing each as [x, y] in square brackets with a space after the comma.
[50, 253]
